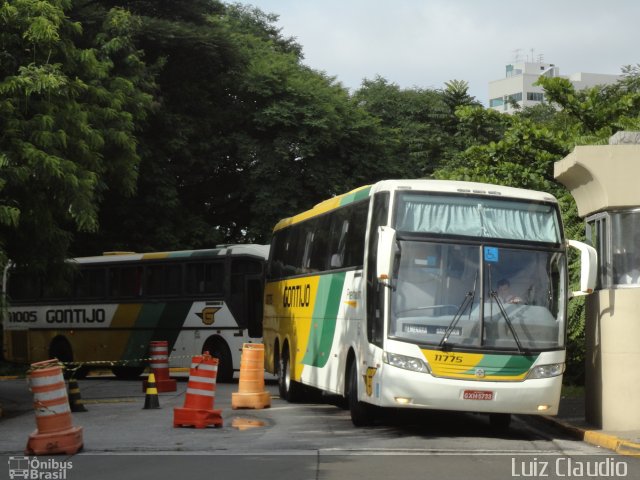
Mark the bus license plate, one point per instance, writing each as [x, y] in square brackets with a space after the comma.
[477, 395]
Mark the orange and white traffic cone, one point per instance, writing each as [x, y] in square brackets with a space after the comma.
[55, 432]
[201, 391]
[159, 351]
[251, 392]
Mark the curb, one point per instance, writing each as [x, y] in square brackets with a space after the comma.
[595, 437]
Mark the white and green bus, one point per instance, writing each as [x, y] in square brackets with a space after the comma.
[423, 294]
[116, 304]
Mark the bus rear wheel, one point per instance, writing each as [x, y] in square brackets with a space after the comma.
[127, 373]
[289, 389]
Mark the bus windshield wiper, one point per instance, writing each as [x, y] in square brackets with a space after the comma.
[468, 300]
[494, 295]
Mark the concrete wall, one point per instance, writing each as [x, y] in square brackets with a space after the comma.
[613, 359]
[605, 178]
[601, 177]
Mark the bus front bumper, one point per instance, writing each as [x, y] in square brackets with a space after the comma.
[406, 389]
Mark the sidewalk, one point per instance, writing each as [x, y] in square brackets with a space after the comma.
[571, 419]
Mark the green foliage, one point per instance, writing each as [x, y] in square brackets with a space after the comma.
[66, 125]
[153, 124]
[520, 151]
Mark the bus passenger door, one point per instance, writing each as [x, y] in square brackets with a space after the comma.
[245, 295]
[254, 286]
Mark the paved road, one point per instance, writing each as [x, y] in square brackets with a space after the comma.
[311, 440]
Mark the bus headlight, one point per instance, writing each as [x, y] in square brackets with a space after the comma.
[546, 371]
[408, 363]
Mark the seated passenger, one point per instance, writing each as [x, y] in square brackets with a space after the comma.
[504, 292]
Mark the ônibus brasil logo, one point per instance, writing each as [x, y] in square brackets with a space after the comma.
[32, 468]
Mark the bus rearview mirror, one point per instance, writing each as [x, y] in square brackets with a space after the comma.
[588, 267]
[385, 253]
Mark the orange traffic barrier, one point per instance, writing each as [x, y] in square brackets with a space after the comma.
[201, 391]
[251, 392]
[159, 351]
[151, 397]
[55, 432]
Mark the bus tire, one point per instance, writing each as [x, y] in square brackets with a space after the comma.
[218, 348]
[60, 348]
[289, 389]
[362, 414]
[500, 422]
[127, 373]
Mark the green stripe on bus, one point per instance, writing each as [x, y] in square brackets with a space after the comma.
[324, 319]
[138, 344]
[171, 322]
[504, 365]
[160, 321]
[355, 196]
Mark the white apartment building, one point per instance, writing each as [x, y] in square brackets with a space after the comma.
[517, 86]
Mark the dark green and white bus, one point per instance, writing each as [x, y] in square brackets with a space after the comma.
[117, 303]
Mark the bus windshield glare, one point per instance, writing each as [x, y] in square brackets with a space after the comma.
[480, 295]
[477, 217]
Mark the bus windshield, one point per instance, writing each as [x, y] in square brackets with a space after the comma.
[479, 296]
[478, 217]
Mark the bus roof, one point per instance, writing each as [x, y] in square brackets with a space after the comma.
[438, 186]
[254, 250]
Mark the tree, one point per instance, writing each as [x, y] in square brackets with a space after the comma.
[243, 134]
[413, 125]
[67, 130]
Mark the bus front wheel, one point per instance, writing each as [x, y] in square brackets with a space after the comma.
[60, 348]
[500, 421]
[362, 414]
[218, 348]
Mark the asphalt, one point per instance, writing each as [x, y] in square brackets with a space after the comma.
[571, 420]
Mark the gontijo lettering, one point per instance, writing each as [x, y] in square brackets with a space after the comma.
[75, 315]
[296, 296]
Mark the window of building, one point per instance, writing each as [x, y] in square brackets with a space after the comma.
[615, 236]
[535, 96]
[514, 97]
[496, 102]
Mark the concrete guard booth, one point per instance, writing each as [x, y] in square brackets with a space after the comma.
[605, 182]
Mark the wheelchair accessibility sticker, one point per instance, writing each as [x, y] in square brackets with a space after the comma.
[491, 254]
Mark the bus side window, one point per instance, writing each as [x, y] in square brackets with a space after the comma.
[320, 247]
[23, 286]
[337, 242]
[125, 282]
[205, 278]
[90, 283]
[163, 279]
[354, 242]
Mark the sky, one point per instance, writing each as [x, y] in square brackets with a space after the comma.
[425, 43]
